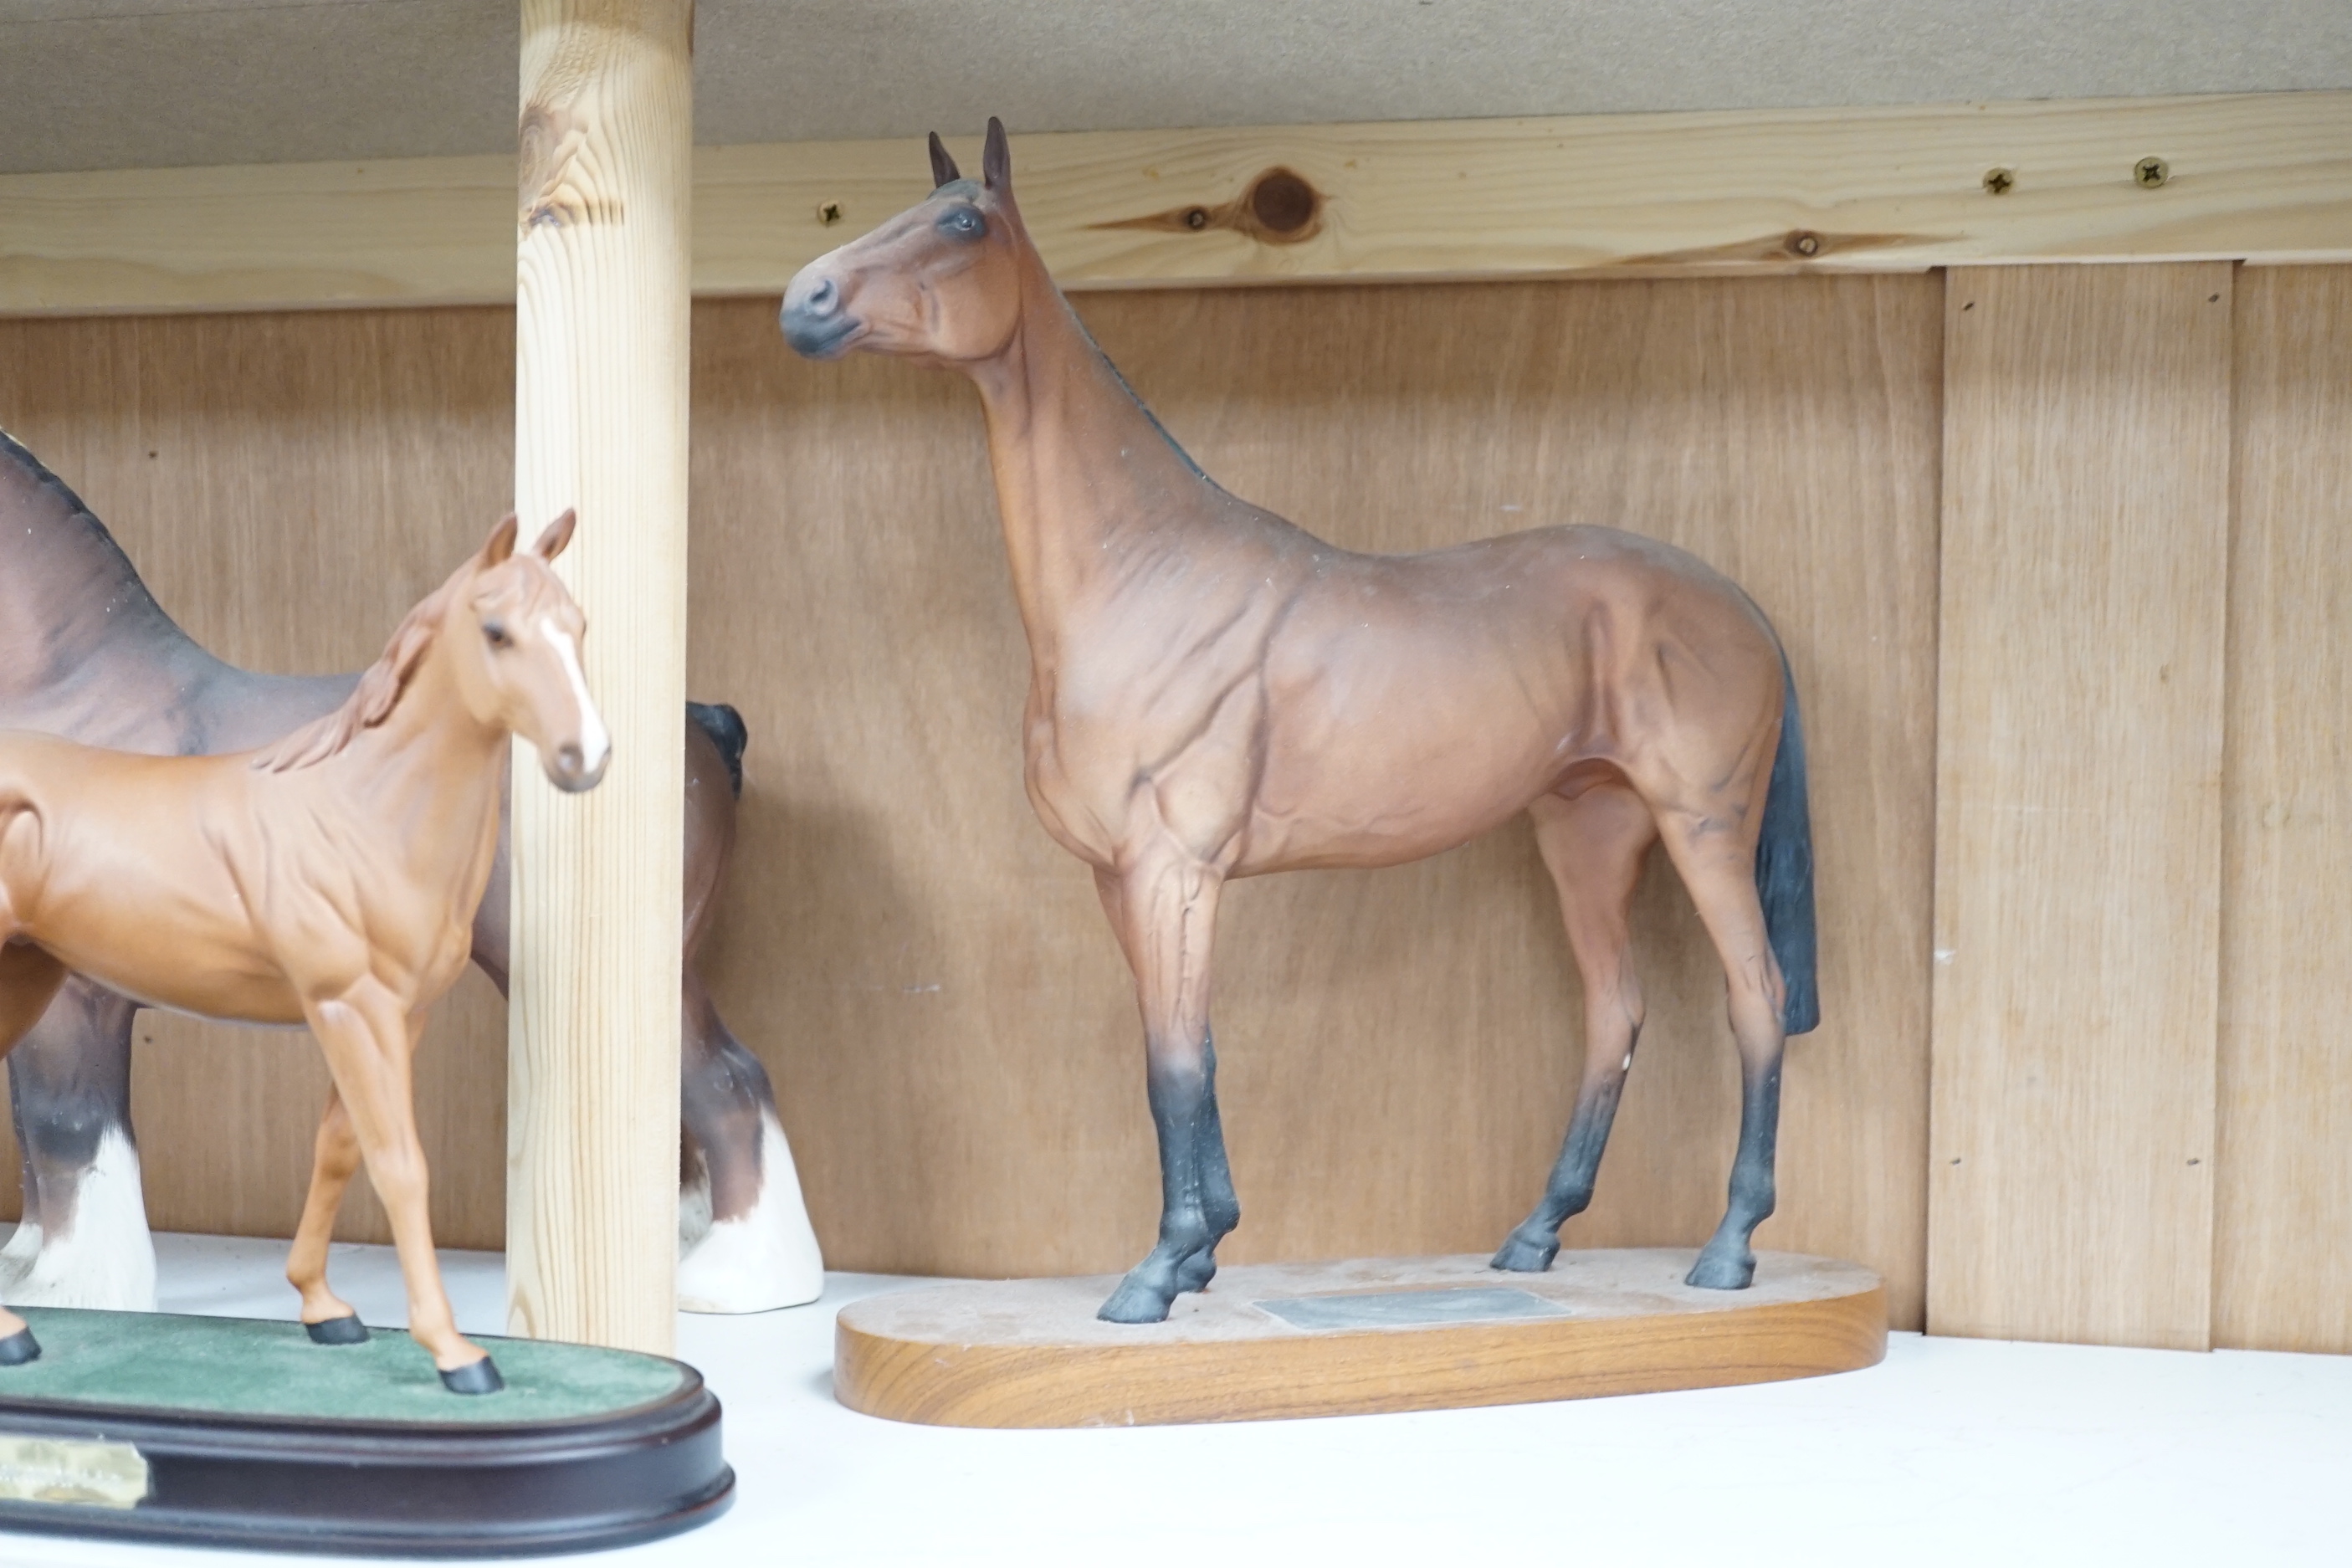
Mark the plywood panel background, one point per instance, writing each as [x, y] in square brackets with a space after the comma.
[2282, 1193]
[287, 486]
[954, 1034]
[2086, 504]
[929, 979]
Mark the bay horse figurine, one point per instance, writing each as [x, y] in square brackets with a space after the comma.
[86, 653]
[330, 879]
[1215, 693]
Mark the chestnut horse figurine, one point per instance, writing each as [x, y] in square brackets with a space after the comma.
[1215, 693]
[87, 654]
[330, 879]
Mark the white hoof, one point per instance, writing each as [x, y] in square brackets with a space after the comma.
[762, 1260]
[102, 1255]
[16, 1258]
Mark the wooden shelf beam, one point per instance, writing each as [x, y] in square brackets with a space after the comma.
[2263, 178]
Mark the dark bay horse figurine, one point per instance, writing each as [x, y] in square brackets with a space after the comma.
[1216, 693]
[329, 878]
[86, 653]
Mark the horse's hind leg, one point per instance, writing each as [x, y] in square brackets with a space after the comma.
[1165, 915]
[29, 979]
[1719, 869]
[1593, 847]
[84, 1242]
[334, 1155]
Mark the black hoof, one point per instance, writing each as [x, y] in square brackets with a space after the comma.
[19, 1348]
[473, 1377]
[1722, 1270]
[1522, 1256]
[1134, 1302]
[345, 1331]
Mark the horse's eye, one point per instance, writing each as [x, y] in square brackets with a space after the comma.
[963, 223]
[496, 634]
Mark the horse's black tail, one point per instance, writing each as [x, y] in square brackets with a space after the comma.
[1784, 868]
[726, 732]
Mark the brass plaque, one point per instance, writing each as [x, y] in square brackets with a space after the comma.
[67, 1470]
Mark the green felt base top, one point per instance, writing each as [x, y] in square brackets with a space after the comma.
[242, 1366]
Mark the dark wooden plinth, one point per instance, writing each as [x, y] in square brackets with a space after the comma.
[1272, 1341]
[481, 1483]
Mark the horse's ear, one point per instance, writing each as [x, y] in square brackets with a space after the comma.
[559, 534]
[996, 160]
[943, 169]
[501, 541]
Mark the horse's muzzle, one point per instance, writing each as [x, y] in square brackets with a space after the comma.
[814, 321]
[570, 772]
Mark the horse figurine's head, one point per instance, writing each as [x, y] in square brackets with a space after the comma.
[940, 283]
[507, 632]
[514, 631]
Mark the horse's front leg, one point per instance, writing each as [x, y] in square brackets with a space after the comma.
[757, 1251]
[1165, 914]
[369, 1039]
[335, 1155]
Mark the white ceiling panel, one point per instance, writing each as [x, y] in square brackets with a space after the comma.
[118, 83]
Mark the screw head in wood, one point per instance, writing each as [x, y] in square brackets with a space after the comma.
[2151, 172]
[2000, 181]
[1805, 244]
[828, 212]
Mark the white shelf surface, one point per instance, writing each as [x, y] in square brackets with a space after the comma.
[1952, 1451]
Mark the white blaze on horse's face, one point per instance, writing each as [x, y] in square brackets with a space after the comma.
[595, 740]
[531, 632]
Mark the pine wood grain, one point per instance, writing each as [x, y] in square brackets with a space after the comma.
[287, 486]
[952, 1030]
[2283, 1167]
[602, 323]
[1030, 1352]
[2261, 177]
[2086, 504]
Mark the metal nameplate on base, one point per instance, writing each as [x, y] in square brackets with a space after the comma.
[61, 1469]
[227, 1432]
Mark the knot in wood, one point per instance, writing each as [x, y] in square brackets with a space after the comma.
[1283, 203]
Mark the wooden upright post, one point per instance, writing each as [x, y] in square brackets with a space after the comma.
[601, 325]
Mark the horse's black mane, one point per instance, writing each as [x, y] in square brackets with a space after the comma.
[1133, 397]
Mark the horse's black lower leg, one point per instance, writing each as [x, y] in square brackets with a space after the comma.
[1725, 1263]
[28, 1178]
[1182, 1112]
[69, 1090]
[1219, 1206]
[1530, 1249]
[724, 1093]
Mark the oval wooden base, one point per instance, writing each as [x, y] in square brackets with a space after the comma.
[1273, 1340]
[222, 1432]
